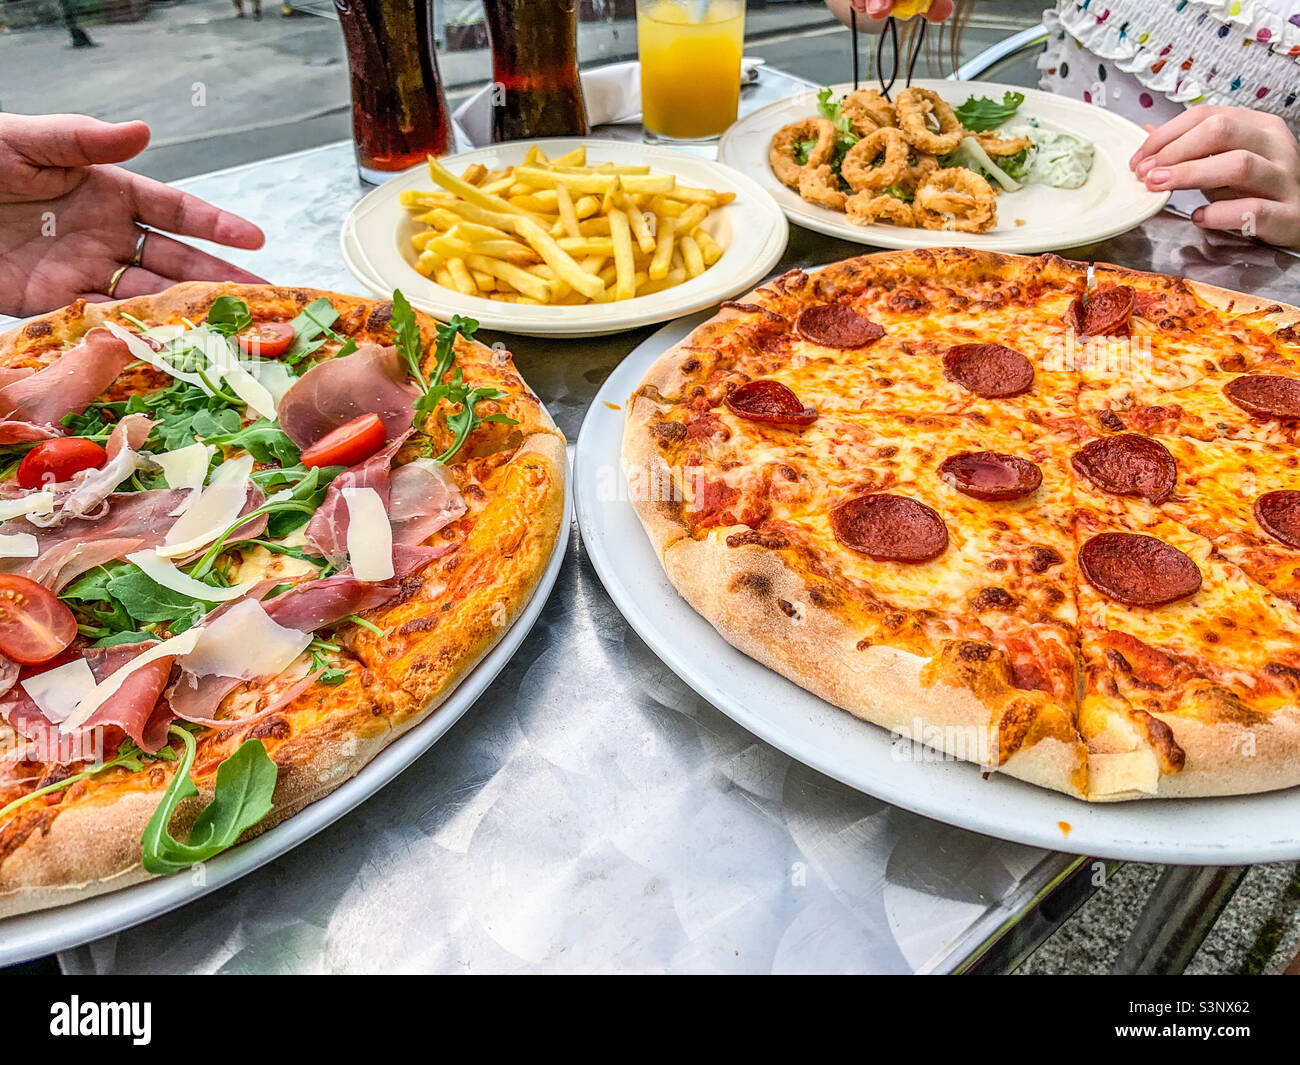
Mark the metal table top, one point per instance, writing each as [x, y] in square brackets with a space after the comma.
[592, 813]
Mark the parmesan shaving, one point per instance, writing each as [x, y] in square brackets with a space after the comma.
[18, 545]
[370, 536]
[35, 503]
[212, 511]
[161, 571]
[56, 692]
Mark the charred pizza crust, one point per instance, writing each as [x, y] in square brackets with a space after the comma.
[445, 619]
[778, 605]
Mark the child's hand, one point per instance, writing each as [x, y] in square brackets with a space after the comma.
[1246, 162]
[879, 9]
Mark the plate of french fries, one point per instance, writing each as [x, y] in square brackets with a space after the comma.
[565, 237]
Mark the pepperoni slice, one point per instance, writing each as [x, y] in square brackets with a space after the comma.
[1107, 311]
[988, 369]
[1128, 465]
[1138, 570]
[1278, 514]
[1265, 395]
[836, 325]
[890, 528]
[769, 401]
[991, 475]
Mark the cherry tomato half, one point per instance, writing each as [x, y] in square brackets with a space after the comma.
[52, 461]
[34, 625]
[350, 443]
[268, 339]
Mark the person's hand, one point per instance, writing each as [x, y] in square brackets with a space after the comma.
[880, 9]
[1246, 162]
[69, 221]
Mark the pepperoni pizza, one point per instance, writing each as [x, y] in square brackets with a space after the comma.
[1040, 515]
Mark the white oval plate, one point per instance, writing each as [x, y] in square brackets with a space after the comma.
[1110, 202]
[376, 244]
[1212, 831]
[31, 935]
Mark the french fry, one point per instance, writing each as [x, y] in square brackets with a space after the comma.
[592, 263]
[621, 232]
[586, 206]
[526, 283]
[709, 247]
[471, 193]
[638, 183]
[659, 264]
[443, 276]
[708, 197]
[576, 157]
[691, 217]
[568, 216]
[474, 174]
[587, 181]
[640, 229]
[460, 277]
[670, 280]
[557, 258]
[602, 246]
[693, 256]
[484, 282]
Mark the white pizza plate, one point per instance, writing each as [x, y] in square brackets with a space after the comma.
[1212, 831]
[1110, 202]
[32, 935]
[376, 243]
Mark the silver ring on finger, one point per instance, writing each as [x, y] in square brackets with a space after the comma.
[138, 257]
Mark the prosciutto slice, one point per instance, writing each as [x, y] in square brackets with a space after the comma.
[134, 707]
[12, 432]
[134, 520]
[370, 380]
[328, 529]
[69, 384]
[315, 604]
[420, 498]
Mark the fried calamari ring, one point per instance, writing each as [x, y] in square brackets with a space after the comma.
[789, 170]
[864, 209]
[919, 167]
[867, 110]
[860, 169]
[999, 146]
[820, 186]
[955, 198]
[915, 108]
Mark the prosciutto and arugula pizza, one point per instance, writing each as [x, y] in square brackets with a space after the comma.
[1039, 515]
[248, 537]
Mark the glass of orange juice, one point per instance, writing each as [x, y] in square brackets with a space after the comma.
[690, 66]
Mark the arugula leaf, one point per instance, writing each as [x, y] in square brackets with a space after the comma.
[980, 114]
[241, 798]
[309, 491]
[467, 419]
[445, 348]
[228, 315]
[144, 599]
[435, 390]
[263, 439]
[124, 637]
[332, 675]
[410, 345]
[311, 329]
